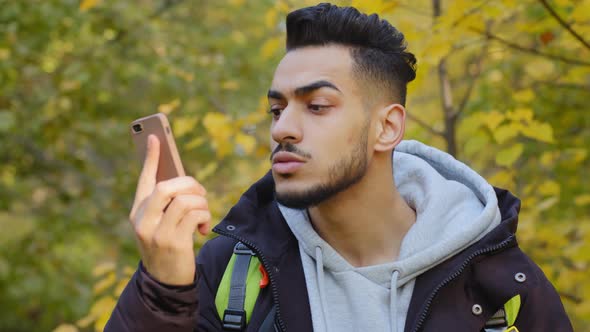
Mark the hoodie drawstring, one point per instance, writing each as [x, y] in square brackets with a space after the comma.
[319, 265]
[393, 301]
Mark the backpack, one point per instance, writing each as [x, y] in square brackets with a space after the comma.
[245, 276]
[240, 285]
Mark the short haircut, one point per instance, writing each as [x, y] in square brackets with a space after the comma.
[378, 49]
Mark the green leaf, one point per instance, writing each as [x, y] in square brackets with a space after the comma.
[507, 157]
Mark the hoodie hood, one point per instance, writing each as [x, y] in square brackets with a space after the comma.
[454, 207]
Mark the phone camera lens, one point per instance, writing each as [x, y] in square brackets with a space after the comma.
[137, 128]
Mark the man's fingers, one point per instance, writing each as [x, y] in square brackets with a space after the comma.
[147, 178]
[181, 206]
[166, 191]
[184, 209]
[195, 219]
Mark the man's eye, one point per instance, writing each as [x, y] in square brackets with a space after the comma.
[317, 108]
[276, 112]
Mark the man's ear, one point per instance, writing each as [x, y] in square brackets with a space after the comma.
[391, 127]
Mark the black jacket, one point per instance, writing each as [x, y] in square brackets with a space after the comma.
[442, 300]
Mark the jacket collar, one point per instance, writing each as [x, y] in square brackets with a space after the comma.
[257, 219]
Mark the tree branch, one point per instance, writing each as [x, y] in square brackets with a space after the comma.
[469, 12]
[571, 297]
[425, 125]
[560, 85]
[531, 50]
[564, 23]
[471, 83]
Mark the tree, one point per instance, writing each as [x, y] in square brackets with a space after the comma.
[502, 85]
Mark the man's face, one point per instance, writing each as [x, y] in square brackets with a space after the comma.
[320, 129]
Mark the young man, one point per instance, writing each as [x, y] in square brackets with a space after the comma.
[352, 235]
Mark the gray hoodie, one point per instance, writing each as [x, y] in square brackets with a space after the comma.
[454, 206]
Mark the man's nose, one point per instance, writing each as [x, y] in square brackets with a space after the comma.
[287, 128]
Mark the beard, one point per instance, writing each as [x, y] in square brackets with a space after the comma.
[344, 173]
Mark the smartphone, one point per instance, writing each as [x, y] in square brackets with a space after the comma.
[169, 165]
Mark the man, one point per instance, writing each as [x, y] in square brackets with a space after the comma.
[353, 236]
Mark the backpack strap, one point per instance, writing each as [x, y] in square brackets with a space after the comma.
[503, 320]
[234, 316]
[269, 323]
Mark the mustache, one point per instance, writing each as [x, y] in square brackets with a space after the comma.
[288, 147]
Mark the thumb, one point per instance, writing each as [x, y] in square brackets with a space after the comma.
[147, 178]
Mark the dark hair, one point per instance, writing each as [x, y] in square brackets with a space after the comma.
[377, 48]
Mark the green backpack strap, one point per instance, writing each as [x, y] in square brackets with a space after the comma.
[512, 307]
[503, 320]
[239, 289]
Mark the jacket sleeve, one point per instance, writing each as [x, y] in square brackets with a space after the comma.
[148, 305]
[541, 309]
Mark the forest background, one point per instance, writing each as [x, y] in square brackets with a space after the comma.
[503, 85]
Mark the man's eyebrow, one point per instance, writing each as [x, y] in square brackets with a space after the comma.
[274, 94]
[304, 90]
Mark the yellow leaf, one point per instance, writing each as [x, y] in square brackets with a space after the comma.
[270, 47]
[88, 4]
[506, 132]
[239, 37]
[582, 200]
[195, 143]
[521, 115]
[247, 142]
[549, 188]
[184, 125]
[169, 107]
[105, 283]
[503, 178]
[4, 53]
[493, 119]
[580, 14]
[207, 171]
[223, 148]
[271, 18]
[540, 68]
[507, 157]
[473, 22]
[86, 321]
[437, 49]
[120, 287]
[237, 3]
[374, 6]
[546, 204]
[103, 268]
[101, 321]
[230, 85]
[476, 144]
[539, 131]
[218, 125]
[548, 158]
[128, 271]
[255, 118]
[524, 96]
[577, 155]
[104, 304]
[66, 328]
[471, 123]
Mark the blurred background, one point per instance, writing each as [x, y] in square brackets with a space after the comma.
[504, 85]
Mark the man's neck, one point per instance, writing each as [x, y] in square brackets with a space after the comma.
[366, 223]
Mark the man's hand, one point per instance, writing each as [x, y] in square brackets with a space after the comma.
[165, 216]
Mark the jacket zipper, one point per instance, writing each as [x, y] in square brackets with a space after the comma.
[266, 265]
[457, 273]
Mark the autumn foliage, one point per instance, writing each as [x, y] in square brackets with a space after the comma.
[503, 85]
